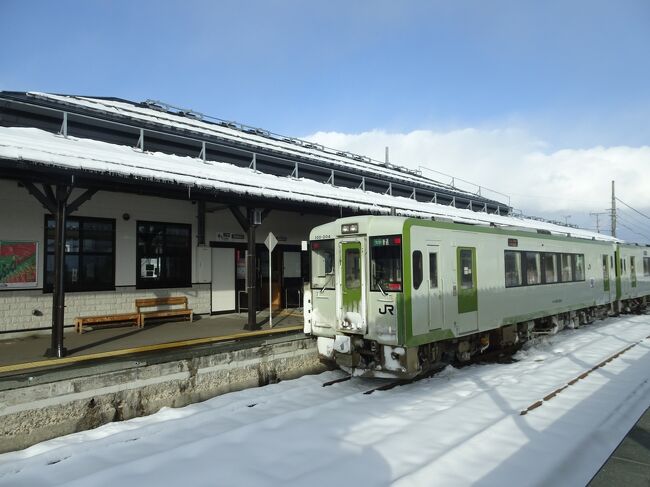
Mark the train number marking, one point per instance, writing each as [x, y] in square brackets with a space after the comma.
[388, 308]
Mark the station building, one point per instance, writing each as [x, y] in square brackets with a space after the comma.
[160, 201]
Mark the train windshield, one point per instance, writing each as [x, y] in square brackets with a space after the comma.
[386, 263]
[322, 264]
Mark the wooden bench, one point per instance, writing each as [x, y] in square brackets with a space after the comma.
[80, 321]
[162, 313]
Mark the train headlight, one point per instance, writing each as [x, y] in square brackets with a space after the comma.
[350, 228]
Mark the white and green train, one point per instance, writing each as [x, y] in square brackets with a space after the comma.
[395, 296]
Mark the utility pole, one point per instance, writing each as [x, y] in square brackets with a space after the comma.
[566, 219]
[386, 160]
[613, 211]
[597, 215]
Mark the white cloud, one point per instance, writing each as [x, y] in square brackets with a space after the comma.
[512, 161]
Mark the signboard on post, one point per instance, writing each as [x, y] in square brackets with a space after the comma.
[270, 243]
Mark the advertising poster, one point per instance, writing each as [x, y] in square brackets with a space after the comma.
[18, 264]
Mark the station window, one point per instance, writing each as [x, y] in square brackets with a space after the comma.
[386, 263]
[532, 268]
[164, 255]
[549, 266]
[513, 268]
[89, 254]
[322, 264]
[418, 272]
[433, 270]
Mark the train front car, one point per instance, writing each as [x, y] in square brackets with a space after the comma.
[355, 301]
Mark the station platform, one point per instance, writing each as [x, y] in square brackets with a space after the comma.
[629, 465]
[28, 353]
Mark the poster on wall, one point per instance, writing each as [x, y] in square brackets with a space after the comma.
[18, 264]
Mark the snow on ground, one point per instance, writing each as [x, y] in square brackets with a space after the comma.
[460, 427]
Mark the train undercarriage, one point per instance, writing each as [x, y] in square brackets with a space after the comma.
[367, 358]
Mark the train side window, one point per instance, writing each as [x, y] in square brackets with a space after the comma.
[632, 268]
[513, 268]
[433, 270]
[579, 266]
[549, 265]
[567, 268]
[322, 264]
[467, 269]
[646, 266]
[418, 273]
[352, 269]
[532, 268]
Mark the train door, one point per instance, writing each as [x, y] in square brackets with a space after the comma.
[466, 289]
[352, 312]
[352, 309]
[436, 318]
[606, 276]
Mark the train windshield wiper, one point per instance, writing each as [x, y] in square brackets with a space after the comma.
[382, 291]
[326, 283]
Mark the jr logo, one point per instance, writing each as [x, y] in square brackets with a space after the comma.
[388, 308]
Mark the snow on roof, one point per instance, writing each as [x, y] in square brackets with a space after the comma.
[287, 145]
[41, 147]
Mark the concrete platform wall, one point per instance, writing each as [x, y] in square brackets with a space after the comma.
[25, 310]
[34, 413]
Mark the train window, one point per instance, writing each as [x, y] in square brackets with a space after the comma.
[633, 270]
[532, 268]
[567, 268]
[513, 268]
[322, 264]
[549, 266]
[579, 267]
[386, 263]
[352, 268]
[418, 272]
[433, 270]
[646, 266]
[467, 269]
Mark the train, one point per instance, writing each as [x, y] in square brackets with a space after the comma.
[395, 297]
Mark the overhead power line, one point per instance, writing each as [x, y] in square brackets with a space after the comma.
[634, 231]
[633, 209]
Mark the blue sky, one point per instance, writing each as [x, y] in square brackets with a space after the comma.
[575, 72]
[485, 86]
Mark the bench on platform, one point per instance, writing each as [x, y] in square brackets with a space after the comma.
[162, 313]
[80, 321]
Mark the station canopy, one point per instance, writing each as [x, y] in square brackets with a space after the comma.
[45, 151]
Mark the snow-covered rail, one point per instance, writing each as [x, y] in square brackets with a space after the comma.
[460, 427]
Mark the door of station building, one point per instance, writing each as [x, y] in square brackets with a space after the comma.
[263, 278]
[223, 279]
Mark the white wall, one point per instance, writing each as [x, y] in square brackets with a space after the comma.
[22, 218]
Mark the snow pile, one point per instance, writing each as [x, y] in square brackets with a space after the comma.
[461, 427]
[289, 146]
[40, 147]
